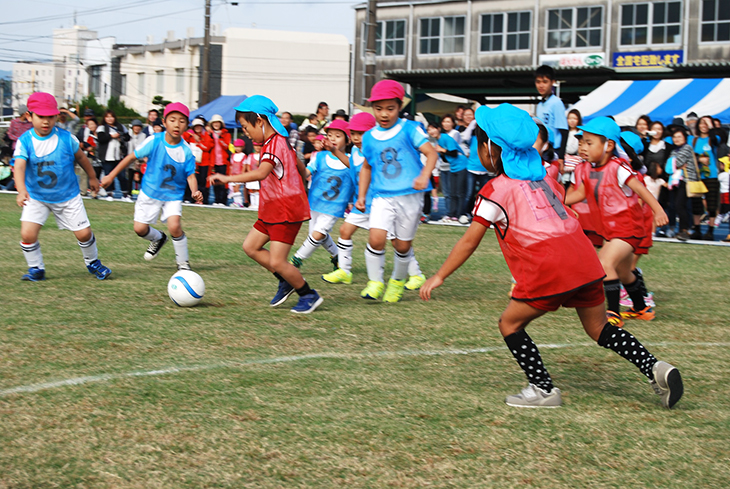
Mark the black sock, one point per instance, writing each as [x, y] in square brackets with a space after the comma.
[613, 294]
[304, 290]
[278, 277]
[528, 357]
[624, 343]
[640, 278]
[634, 291]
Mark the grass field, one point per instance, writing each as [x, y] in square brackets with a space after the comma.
[109, 384]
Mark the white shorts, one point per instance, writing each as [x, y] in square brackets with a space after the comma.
[398, 215]
[363, 222]
[322, 223]
[69, 215]
[253, 185]
[147, 209]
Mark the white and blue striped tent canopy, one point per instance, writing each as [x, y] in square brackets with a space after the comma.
[661, 100]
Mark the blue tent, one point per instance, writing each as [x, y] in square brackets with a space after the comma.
[224, 106]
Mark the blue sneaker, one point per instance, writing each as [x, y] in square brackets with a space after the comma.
[307, 303]
[34, 274]
[98, 270]
[285, 290]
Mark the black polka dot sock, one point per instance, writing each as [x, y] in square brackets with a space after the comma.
[528, 357]
[624, 343]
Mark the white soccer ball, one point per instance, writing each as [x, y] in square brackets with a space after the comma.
[186, 288]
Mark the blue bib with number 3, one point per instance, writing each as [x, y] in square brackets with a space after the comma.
[332, 185]
[49, 174]
[168, 167]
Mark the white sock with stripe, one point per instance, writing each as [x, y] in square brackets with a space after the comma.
[33, 255]
[89, 250]
[310, 244]
[153, 235]
[375, 262]
[401, 263]
[344, 254]
[180, 245]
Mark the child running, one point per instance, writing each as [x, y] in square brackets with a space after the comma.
[360, 123]
[393, 168]
[283, 205]
[170, 167]
[329, 193]
[613, 195]
[46, 182]
[549, 255]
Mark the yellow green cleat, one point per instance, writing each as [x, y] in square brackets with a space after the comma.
[373, 290]
[415, 282]
[394, 292]
[339, 276]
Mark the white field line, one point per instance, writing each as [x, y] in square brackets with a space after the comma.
[295, 358]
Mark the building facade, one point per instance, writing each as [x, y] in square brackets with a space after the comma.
[475, 34]
[296, 70]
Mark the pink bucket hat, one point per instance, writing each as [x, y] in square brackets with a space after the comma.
[176, 107]
[339, 124]
[239, 142]
[387, 89]
[43, 104]
[362, 121]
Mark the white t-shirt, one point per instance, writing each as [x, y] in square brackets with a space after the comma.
[724, 179]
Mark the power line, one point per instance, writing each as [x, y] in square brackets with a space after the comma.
[88, 12]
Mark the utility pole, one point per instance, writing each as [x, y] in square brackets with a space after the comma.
[370, 48]
[206, 58]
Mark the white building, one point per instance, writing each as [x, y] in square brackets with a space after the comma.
[296, 70]
[81, 65]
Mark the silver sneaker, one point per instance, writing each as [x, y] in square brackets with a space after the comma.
[154, 248]
[534, 397]
[667, 383]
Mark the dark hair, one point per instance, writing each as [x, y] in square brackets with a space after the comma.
[322, 105]
[577, 114]
[546, 71]
[449, 116]
[664, 129]
[290, 116]
[644, 118]
[675, 129]
[107, 112]
[483, 138]
[250, 117]
[310, 129]
[153, 110]
[433, 124]
[549, 153]
[93, 119]
[636, 161]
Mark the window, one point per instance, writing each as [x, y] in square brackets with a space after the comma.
[577, 27]
[715, 21]
[179, 79]
[123, 85]
[160, 81]
[96, 80]
[390, 38]
[442, 35]
[516, 36]
[141, 83]
[651, 23]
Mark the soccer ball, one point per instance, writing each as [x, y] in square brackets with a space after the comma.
[186, 288]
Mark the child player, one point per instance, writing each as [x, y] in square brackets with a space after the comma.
[329, 193]
[613, 193]
[547, 252]
[393, 171]
[46, 182]
[283, 204]
[360, 123]
[170, 168]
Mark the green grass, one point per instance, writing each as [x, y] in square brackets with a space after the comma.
[358, 394]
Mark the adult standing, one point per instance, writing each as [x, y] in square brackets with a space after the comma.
[152, 116]
[323, 111]
[705, 147]
[67, 120]
[112, 138]
[681, 165]
[19, 125]
[219, 156]
[201, 145]
[287, 122]
[655, 159]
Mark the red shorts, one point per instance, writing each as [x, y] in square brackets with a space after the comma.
[595, 239]
[588, 296]
[285, 232]
[725, 198]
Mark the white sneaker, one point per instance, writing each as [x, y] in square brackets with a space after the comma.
[667, 383]
[534, 397]
[109, 198]
[463, 220]
[127, 198]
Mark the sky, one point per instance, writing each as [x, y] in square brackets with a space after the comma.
[26, 27]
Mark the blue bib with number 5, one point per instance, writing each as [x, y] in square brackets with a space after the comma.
[49, 174]
[168, 167]
[332, 185]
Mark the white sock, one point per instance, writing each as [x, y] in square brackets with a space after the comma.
[153, 235]
[414, 268]
[344, 254]
[401, 263]
[254, 198]
[181, 248]
[33, 255]
[88, 248]
[329, 245]
[238, 198]
[375, 262]
[310, 244]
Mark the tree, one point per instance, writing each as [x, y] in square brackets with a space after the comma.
[90, 102]
[120, 109]
[158, 100]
